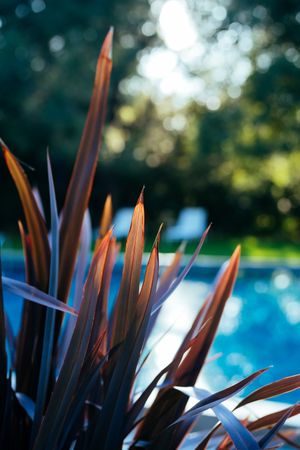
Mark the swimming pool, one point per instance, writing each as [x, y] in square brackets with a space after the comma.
[260, 326]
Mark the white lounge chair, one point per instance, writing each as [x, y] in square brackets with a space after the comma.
[122, 221]
[190, 225]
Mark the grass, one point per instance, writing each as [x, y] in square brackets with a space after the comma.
[251, 246]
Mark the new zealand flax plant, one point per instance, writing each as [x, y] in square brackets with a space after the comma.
[68, 381]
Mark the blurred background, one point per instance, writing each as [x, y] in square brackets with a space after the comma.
[204, 110]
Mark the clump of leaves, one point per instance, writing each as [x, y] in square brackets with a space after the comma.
[68, 381]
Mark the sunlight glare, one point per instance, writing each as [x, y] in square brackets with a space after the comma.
[176, 26]
[158, 63]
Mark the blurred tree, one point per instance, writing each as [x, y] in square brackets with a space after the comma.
[250, 145]
[278, 20]
[250, 148]
[48, 56]
[48, 53]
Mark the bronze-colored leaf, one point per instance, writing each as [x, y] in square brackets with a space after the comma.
[125, 307]
[109, 428]
[170, 404]
[191, 365]
[271, 419]
[106, 218]
[82, 178]
[170, 272]
[100, 325]
[35, 223]
[279, 387]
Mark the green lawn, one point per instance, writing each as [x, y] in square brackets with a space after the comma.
[251, 246]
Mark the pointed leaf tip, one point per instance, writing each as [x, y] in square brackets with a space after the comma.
[83, 174]
[106, 217]
[48, 162]
[236, 255]
[2, 143]
[237, 251]
[157, 238]
[141, 196]
[182, 247]
[106, 50]
[206, 231]
[110, 34]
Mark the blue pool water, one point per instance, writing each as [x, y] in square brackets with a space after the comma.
[260, 326]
